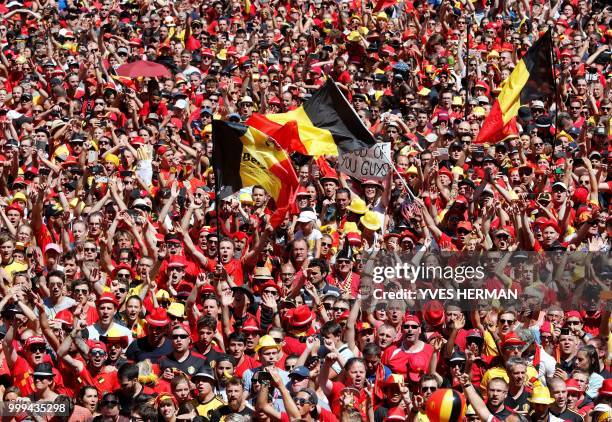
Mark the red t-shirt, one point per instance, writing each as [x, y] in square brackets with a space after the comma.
[247, 363]
[336, 395]
[104, 382]
[407, 363]
[22, 378]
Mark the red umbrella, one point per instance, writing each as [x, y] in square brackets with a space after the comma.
[145, 69]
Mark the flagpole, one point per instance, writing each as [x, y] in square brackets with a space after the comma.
[557, 101]
[390, 161]
[467, 66]
[217, 197]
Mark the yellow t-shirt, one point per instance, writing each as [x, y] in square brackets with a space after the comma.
[499, 372]
[205, 408]
[490, 348]
[15, 267]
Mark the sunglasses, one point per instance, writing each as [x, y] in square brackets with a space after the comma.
[98, 353]
[180, 336]
[38, 349]
[42, 377]
[410, 327]
[506, 321]
[429, 388]
[513, 347]
[337, 309]
[301, 401]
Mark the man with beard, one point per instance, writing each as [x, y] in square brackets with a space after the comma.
[155, 344]
[517, 392]
[559, 408]
[236, 403]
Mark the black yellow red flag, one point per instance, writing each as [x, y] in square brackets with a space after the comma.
[531, 79]
[326, 124]
[244, 156]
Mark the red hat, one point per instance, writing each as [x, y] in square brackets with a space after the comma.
[177, 261]
[123, 266]
[606, 388]
[107, 297]
[512, 339]
[411, 318]
[581, 194]
[433, 313]
[573, 314]
[388, 49]
[465, 225]
[274, 101]
[65, 317]
[270, 283]
[70, 161]
[361, 326]
[208, 289]
[34, 340]
[300, 317]
[207, 52]
[158, 318]
[183, 326]
[546, 327]
[96, 344]
[354, 239]
[445, 170]
[250, 324]
[572, 385]
[474, 333]
[19, 181]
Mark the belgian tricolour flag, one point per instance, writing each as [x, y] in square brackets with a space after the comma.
[244, 156]
[532, 78]
[326, 124]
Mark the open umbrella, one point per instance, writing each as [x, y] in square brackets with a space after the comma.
[143, 68]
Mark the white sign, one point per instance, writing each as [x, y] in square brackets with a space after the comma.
[370, 163]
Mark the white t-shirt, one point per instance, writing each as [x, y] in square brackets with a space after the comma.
[311, 240]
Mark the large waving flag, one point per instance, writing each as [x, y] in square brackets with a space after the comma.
[531, 79]
[243, 156]
[326, 124]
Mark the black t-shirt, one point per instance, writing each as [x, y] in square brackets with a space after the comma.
[140, 350]
[212, 356]
[217, 414]
[519, 404]
[568, 415]
[189, 366]
[504, 413]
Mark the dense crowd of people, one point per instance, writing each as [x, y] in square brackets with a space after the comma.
[130, 290]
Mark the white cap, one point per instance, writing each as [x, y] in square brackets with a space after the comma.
[307, 217]
[246, 99]
[182, 104]
[431, 138]
[563, 185]
[537, 103]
